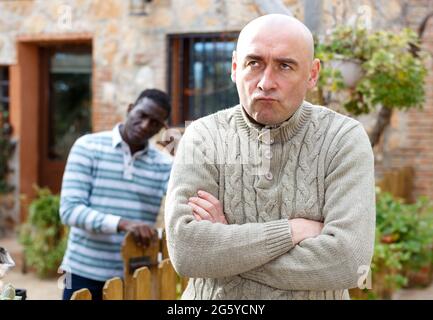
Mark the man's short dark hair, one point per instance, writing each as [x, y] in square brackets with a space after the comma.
[159, 97]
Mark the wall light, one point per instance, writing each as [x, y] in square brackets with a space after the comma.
[139, 7]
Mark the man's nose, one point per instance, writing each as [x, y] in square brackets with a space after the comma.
[144, 123]
[267, 81]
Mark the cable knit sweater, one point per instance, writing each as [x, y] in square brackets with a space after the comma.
[317, 165]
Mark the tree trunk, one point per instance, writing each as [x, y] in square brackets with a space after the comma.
[382, 121]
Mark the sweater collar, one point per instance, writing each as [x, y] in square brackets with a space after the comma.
[283, 132]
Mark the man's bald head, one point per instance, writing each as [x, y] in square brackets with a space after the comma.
[271, 23]
[274, 67]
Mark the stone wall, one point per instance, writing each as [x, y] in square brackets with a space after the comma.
[130, 54]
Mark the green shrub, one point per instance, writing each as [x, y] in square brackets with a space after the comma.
[404, 239]
[43, 236]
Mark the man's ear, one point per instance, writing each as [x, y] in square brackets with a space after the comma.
[234, 66]
[314, 74]
[130, 107]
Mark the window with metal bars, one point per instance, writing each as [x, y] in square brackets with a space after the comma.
[199, 75]
[6, 146]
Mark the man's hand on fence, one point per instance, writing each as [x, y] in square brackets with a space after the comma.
[207, 207]
[143, 234]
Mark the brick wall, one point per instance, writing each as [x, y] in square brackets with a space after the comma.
[409, 140]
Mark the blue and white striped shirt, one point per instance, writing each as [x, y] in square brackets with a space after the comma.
[103, 183]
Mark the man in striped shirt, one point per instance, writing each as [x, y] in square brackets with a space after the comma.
[114, 182]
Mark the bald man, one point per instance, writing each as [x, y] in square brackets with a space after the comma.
[273, 198]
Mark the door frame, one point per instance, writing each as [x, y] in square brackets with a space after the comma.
[25, 106]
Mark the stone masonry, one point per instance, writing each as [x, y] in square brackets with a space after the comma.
[130, 54]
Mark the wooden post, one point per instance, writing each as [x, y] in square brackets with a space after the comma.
[167, 280]
[142, 284]
[184, 283]
[131, 250]
[113, 289]
[164, 248]
[399, 183]
[408, 182]
[82, 294]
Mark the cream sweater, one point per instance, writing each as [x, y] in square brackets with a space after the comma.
[317, 165]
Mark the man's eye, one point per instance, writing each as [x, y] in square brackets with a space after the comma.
[253, 63]
[286, 66]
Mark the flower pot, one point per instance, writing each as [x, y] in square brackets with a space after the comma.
[350, 70]
[419, 278]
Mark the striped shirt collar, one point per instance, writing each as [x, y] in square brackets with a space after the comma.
[116, 137]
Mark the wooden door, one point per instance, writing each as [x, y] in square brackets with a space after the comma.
[65, 112]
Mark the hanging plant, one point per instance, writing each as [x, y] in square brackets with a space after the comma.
[391, 73]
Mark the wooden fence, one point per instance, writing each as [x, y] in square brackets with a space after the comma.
[157, 280]
[399, 183]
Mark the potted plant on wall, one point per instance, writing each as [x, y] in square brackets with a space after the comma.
[388, 71]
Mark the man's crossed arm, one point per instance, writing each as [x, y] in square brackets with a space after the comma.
[207, 207]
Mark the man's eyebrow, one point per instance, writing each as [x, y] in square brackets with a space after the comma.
[253, 57]
[279, 60]
[287, 60]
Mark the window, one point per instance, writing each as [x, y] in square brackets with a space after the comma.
[4, 92]
[69, 98]
[199, 75]
[6, 147]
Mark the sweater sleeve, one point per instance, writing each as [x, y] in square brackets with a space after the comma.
[201, 249]
[332, 260]
[75, 207]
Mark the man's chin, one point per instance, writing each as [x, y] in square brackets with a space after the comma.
[264, 113]
[140, 141]
[267, 119]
